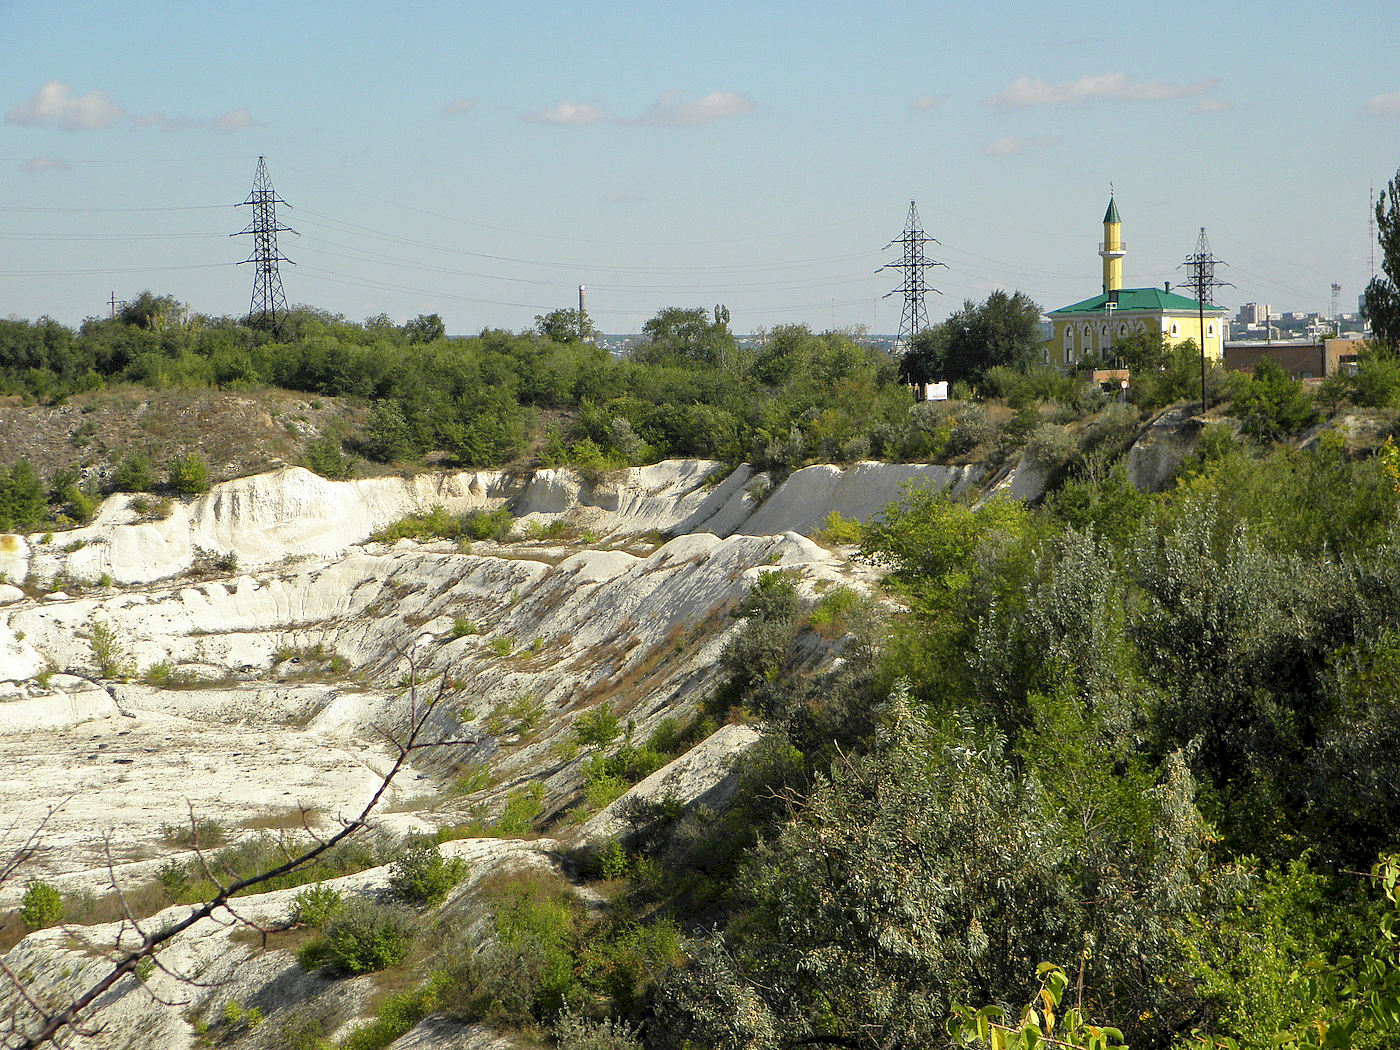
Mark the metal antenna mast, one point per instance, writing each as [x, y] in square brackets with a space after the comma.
[1372, 226]
[268, 307]
[914, 318]
[1201, 266]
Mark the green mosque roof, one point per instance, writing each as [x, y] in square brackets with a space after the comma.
[1155, 299]
[1112, 214]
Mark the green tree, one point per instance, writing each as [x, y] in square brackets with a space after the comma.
[1382, 306]
[679, 335]
[1004, 330]
[188, 473]
[1272, 403]
[22, 499]
[565, 326]
[425, 328]
[925, 873]
[41, 906]
[134, 474]
[152, 311]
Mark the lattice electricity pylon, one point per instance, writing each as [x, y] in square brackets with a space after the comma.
[268, 305]
[914, 318]
[1200, 265]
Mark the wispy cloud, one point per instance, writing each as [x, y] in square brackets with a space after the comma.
[458, 106]
[625, 197]
[673, 110]
[1012, 144]
[1113, 87]
[1384, 105]
[55, 104]
[567, 112]
[926, 102]
[39, 164]
[233, 120]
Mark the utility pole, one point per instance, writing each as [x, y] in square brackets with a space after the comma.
[268, 306]
[112, 302]
[914, 318]
[1201, 267]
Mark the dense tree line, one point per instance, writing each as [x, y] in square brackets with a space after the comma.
[687, 389]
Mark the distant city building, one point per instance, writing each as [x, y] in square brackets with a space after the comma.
[1253, 313]
[1093, 326]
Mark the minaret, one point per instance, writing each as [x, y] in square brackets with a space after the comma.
[1112, 249]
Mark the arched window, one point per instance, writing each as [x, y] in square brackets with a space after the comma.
[1069, 344]
[1210, 330]
[1123, 328]
[1175, 329]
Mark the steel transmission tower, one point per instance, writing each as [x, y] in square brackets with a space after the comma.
[1200, 265]
[268, 306]
[914, 318]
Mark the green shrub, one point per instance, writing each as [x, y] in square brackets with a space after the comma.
[527, 971]
[315, 905]
[111, 659]
[326, 457]
[834, 611]
[188, 473]
[134, 474]
[1272, 404]
[488, 524]
[41, 906]
[574, 1032]
[838, 530]
[395, 1016]
[598, 726]
[422, 877]
[517, 818]
[1053, 450]
[462, 627]
[475, 777]
[362, 937]
[174, 880]
[1377, 381]
[159, 674]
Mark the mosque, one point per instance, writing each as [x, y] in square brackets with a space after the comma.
[1093, 326]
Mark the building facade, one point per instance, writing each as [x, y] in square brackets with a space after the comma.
[1092, 327]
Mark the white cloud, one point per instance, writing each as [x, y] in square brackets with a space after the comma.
[927, 102]
[1115, 87]
[234, 120]
[1385, 105]
[1011, 144]
[46, 164]
[1211, 105]
[568, 113]
[54, 103]
[625, 197]
[671, 110]
[459, 105]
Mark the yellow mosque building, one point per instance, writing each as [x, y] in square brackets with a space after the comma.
[1093, 326]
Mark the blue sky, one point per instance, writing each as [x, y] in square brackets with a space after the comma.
[481, 160]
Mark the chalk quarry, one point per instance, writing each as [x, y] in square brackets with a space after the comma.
[241, 660]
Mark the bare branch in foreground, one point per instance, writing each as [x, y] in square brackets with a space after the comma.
[70, 1018]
